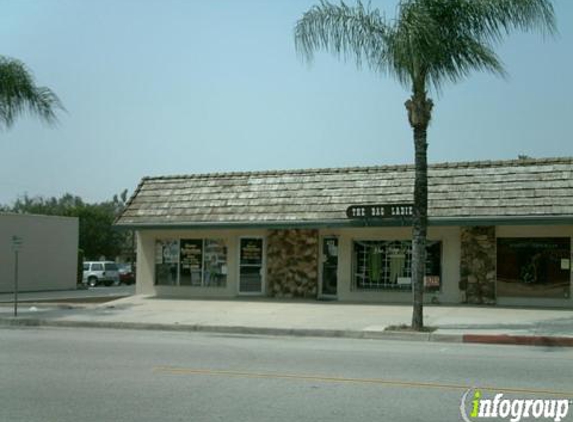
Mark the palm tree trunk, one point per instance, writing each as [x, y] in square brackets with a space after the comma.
[419, 227]
[419, 114]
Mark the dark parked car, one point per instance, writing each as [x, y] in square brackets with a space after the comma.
[126, 274]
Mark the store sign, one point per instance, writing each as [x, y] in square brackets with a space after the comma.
[17, 243]
[431, 281]
[191, 254]
[251, 250]
[379, 211]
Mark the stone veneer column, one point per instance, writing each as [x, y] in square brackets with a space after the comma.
[292, 263]
[478, 264]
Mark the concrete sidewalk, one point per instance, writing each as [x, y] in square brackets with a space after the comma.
[79, 295]
[311, 318]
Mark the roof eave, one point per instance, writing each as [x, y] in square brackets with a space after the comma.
[552, 220]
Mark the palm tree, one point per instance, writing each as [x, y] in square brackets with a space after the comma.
[19, 94]
[427, 44]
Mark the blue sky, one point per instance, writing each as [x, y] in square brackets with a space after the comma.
[182, 86]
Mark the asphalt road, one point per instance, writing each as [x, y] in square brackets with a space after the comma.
[112, 375]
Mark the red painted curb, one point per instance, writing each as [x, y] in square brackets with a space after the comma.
[518, 340]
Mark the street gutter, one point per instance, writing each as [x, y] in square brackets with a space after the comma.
[547, 341]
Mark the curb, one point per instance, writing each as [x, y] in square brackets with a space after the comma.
[224, 329]
[548, 341]
[88, 300]
[502, 339]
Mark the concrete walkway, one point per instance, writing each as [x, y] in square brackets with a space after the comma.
[332, 319]
[91, 294]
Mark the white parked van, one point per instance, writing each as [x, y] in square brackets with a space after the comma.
[100, 272]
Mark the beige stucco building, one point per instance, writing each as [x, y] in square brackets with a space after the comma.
[500, 233]
[48, 256]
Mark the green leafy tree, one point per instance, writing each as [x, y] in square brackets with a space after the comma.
[19, 94]
[429, 43]
[97, 236]
[64, 206]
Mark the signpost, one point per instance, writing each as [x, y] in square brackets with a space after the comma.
[17, 242]
[366, 212]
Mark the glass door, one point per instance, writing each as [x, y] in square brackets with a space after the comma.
[329, 267]
[251, 266]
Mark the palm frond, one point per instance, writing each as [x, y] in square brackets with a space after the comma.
[344, 30]
[492, 20]
[445, 40]
[465, 56]
[430, 42]
[19, 94]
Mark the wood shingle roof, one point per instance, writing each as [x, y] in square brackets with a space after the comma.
[465, 190]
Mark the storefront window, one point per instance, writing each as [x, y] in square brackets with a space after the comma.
[388, 265]
[533, 267]
[191, 262]
[166, 262]
[215, 263]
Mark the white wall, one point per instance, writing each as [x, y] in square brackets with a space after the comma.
[451, 254]
[146, 262]
[449, 236]
[49, 254]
